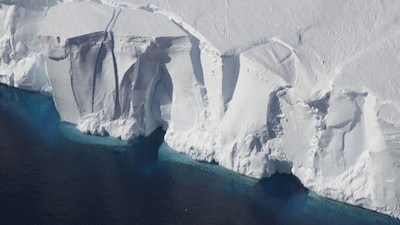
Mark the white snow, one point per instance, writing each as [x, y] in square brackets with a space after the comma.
[300, 86]
[110, 74]
[21, 61]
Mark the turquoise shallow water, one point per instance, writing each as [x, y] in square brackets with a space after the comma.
[52, 174]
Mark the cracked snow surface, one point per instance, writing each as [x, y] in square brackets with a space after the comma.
[259, 87]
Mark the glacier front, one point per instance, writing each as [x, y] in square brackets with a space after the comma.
[259, 87]
[21, 60]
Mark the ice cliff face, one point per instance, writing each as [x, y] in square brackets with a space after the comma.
[21, 60]
[110, 73]
[304, 87]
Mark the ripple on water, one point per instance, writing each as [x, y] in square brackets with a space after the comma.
[50, 173]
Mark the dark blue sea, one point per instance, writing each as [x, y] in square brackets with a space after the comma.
[52, 174]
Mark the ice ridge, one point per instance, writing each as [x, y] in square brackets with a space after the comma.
[283, 90]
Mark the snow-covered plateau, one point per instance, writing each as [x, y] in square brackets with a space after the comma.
[261, 86]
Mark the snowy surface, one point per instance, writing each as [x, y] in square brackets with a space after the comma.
[21, 61]
[107, 67]
[258, 86]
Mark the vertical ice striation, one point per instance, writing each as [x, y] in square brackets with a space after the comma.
[21, 60]
[260, 87]
[111, 74]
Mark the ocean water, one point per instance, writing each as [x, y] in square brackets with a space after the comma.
[52, 174]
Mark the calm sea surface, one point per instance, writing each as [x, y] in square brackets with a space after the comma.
[52, 174]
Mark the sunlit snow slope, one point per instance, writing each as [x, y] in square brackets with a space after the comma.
[301, 86]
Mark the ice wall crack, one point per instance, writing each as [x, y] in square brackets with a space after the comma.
[107, 30]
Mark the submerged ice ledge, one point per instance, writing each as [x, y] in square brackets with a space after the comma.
[293, 98]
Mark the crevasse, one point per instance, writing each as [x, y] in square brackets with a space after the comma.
[296, 92]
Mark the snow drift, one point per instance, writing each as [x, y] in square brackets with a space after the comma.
[257, 86]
